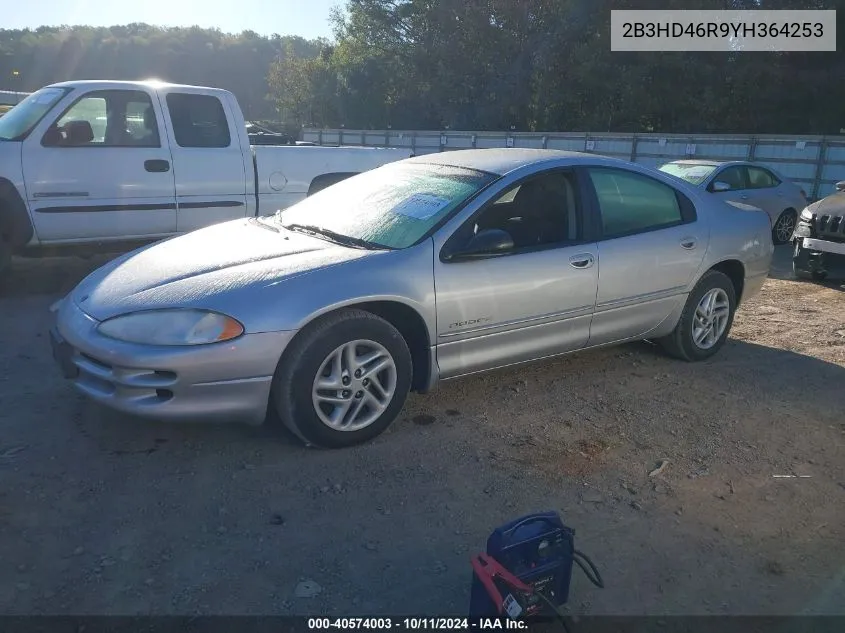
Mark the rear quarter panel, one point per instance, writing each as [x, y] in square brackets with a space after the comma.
[738, 232]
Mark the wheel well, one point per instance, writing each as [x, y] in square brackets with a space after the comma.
[735, 272]
[15, 225]
[325, 180]
[412, 328]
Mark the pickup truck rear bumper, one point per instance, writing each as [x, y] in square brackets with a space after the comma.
[221, 382]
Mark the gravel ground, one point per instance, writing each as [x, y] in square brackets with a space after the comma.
[104, 514]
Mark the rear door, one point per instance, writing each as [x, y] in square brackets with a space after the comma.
[102, 169]
[764, 192]
[651, 246]
[208, 162]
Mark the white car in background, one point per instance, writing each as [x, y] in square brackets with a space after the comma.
[749, 183]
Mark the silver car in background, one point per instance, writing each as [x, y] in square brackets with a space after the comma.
[327, 314]
[749, 183]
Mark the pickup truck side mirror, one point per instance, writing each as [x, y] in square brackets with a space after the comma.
[485, 243]
[718, 186]
[840, 186]
[71, 134]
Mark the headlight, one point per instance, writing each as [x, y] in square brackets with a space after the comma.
[806, 214]
[172, 327]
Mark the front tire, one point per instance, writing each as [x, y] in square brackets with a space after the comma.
[706, 320]
[805, 267]
[5, 256]
[343, 381]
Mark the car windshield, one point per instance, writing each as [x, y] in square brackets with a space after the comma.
[691, 172]
[390, 207]
[19, 121]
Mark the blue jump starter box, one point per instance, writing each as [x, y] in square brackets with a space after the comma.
[538, 549]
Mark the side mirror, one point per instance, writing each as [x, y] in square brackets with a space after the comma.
[720, 186]
[840, 186]
[484, 244]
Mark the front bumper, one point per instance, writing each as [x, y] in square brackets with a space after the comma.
[823, 246]
[220, 382]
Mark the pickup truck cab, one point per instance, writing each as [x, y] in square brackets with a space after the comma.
[110, 162]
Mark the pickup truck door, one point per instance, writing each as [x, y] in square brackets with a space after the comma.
[209, 159]
[101, 168]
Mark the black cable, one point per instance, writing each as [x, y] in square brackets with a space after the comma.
[592, 573]
[556, 611]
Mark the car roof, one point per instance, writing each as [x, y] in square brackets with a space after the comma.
[504, 160]
[106, 84]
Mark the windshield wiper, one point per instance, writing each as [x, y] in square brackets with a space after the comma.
[338, 238]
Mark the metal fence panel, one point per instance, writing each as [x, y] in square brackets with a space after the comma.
[816, 163]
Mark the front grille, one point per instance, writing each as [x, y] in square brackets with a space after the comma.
[830, 227]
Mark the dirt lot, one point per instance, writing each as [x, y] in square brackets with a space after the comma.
[103, 514]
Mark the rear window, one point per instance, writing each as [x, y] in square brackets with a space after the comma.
[198, 120]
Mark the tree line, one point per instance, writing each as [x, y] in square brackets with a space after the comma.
[542, 65]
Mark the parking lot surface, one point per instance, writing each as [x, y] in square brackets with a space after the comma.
[104, 514]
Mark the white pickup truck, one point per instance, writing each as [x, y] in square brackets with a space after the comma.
[114, 162]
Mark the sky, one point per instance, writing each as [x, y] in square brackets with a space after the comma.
[307, 18]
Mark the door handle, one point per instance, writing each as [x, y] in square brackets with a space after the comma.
[689, 243]
[584, 260]
[744, 197]
[157, 165]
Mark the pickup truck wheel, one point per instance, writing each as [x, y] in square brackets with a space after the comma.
[5, 255]
[706, 320]
[343, 381]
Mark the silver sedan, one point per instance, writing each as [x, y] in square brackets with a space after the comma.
[326, 315]
[748, 183]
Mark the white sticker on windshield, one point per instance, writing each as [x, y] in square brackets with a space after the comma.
[422, 206]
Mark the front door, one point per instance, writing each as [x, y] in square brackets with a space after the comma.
[211, 184]
[535, 299]
[651, 246]
[102, 170]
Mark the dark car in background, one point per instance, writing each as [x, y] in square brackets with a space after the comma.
[819, 237]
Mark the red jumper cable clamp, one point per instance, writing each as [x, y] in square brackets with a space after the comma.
[520, 601]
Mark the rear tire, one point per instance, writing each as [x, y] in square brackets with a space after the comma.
[317, 393]
[784, 226]
[703, 327]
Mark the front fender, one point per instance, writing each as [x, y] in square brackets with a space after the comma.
[403, 276]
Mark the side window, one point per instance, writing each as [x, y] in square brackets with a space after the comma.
[106, 118]
[632, 203]
[540, 211]
[759, 178]
[198, 120]
[734, 177]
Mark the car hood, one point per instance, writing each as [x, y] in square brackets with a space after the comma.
[202, 268]
[834, 203]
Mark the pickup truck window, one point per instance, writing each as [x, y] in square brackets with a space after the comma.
[18, 122]
[106, 118]
[198, 120]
